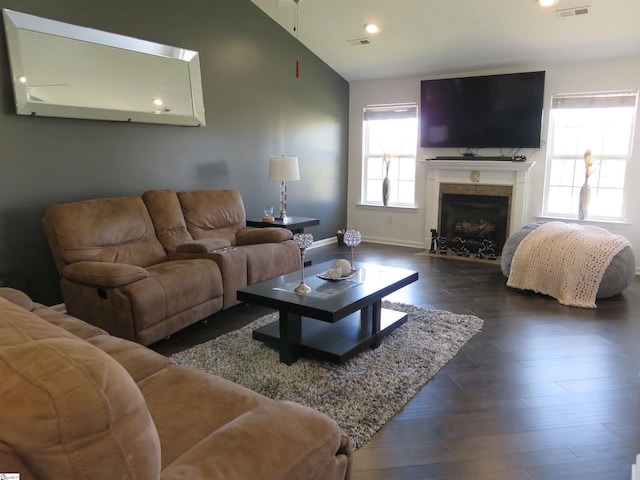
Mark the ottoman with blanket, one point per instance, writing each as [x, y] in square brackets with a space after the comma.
[575, 264]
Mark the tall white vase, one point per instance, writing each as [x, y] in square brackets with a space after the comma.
[583, 205]
[385, 191]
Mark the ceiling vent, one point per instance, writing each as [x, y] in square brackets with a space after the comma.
[572, 12]
[358, 41]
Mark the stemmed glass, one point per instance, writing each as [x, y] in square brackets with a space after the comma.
[352, 239]
[303, 241]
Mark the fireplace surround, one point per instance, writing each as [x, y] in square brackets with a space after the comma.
[479, 180]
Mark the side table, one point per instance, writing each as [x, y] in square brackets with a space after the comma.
[295, 224]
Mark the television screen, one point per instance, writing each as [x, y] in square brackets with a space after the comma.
[499, 111]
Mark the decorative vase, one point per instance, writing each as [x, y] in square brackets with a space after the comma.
[303, 241]
[583, 205]
[352, 239]
[385, 191]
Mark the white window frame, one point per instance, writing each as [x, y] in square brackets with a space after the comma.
[574, 163]
[401, 165]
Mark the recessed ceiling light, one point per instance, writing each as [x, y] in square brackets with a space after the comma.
[157, 101]
[546, 3]
[372, 28]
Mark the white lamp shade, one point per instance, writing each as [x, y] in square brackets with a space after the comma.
[284, 167]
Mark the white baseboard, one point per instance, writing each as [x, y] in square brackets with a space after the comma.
[383, 241]
[393, 241]
[323, 242]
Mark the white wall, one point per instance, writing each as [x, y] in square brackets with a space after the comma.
[406, 226]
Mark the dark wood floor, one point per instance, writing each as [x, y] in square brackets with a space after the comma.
[543, 392]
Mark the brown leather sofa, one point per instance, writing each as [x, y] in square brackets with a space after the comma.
[211, 224]
[143, 268]
[78, 403]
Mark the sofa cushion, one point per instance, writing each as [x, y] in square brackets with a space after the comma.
[92, 420]
[71, 324]
[213, 213]
[140, 362]
[204, 245]
[177, 389]
[319, 439]
[117, 230]
[104, 274]
[251, 236]
[165, 211]
[173, 287]
[17, 297]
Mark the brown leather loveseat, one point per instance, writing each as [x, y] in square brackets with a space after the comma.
[77, 403]
[143, 268]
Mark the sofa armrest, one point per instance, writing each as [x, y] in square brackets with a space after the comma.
[203, 245]
[232, 262]
[103, 274]
[17, 297]
[252, 236]
[281, 440]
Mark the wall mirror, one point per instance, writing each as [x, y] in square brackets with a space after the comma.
[63, 70]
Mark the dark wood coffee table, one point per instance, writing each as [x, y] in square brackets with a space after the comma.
[334, 322]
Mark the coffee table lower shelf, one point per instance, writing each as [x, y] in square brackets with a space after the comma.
[334, 342]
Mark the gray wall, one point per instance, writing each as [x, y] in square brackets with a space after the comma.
[255, 107]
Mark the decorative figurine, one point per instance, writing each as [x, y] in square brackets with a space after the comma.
[459, 247]
[487, 250]
[442, 245]
[434, 240]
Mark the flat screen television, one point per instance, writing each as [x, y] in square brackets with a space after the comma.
[490, 111]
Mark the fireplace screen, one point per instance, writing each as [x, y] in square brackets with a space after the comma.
[474, 222]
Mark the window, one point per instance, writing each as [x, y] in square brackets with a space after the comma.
[390, 145]
[600, 122]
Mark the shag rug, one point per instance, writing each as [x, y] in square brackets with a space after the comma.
[360, 394]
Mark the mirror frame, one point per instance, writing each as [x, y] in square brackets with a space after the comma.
[187, 71]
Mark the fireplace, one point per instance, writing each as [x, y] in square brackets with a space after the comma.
[477, 179]
[473, 222]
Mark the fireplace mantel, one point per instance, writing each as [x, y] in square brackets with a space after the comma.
[482, 165]
[476, 172]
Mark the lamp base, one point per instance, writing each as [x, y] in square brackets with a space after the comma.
[303, 288]
[283, 204]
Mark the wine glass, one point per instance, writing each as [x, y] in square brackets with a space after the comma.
[303, 241]
[352, 239]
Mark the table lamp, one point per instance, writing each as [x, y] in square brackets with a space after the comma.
[283, 168]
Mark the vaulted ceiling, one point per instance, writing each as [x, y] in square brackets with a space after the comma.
[429, 37]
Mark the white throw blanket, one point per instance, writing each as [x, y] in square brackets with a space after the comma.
[565, 260]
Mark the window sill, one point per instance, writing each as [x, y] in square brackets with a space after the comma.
[604, 223]
[376, 206]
